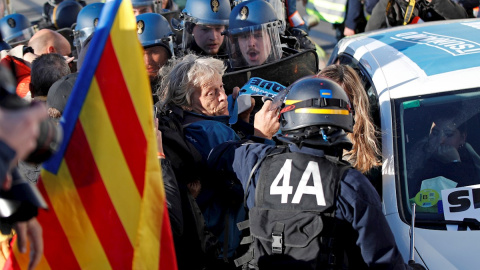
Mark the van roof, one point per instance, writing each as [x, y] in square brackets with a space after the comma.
[419, 59]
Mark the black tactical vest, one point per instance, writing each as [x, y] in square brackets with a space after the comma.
[293, 218]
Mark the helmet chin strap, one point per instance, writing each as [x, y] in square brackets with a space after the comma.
[324, 136]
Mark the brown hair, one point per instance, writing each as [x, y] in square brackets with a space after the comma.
[365, 152]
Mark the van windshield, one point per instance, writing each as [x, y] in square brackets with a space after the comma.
[438, 143]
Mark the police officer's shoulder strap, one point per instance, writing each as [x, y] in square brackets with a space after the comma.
[331, 245]
[344, 166]
[273, 151]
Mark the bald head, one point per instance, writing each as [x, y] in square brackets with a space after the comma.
[48, 41]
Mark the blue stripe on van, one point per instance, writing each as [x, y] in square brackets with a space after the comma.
[438, 48]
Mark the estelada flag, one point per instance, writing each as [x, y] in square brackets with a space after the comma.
[104, 188]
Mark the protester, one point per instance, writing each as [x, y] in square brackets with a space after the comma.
[58, 95]
[19, 130]
[365, 153]
[19, 59]
[192, 89]
[49, 41]
[172, 191]
[46, 70]
[195, 85]
[444, 152]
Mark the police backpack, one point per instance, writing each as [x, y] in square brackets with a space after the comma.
[293, 221]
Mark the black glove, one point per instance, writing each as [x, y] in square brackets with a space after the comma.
[415, 266]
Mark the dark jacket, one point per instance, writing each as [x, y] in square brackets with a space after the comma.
[174, 201]
[358, 204]
[219, 197]
[436, 10]
[184, 166]
[7, 154]
[355, 19]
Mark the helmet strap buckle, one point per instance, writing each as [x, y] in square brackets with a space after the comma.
[324, 136]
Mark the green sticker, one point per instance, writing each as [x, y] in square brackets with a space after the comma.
[427, 198]
[411, 104]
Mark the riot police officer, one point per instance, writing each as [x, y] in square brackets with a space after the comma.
[49, 10]
[253, 34]
[204, 22]
[58, 14]
[146, 6]
[16, 28]
[307, 207]
[156, 37]
[65, 14]
[87, 21]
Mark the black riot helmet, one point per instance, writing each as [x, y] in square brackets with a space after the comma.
[65, 14]
[316, 112]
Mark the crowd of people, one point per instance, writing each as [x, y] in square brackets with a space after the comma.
[271, 189]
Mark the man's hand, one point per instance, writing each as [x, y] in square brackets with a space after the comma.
[29, 57]
[19, 129]
[244, 116]
[266, 121]
[194, 188]
[235, 92]
[447, 153]
[348, 32]
[158, 134]
[31, 230]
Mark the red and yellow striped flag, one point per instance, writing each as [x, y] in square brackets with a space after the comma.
[107, 205]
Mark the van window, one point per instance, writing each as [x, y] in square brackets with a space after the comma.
[438, 147]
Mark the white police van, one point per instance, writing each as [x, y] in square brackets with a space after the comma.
[423, 82]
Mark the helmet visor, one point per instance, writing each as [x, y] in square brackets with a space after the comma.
[166, 42]
[79, 37]
[254, 45]
[20, 36]
[142, 3]
[140, 7]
